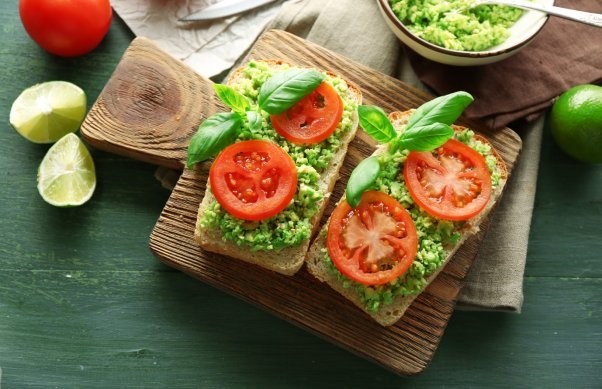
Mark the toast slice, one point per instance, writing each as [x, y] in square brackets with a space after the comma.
[287, 260]
[390, 313]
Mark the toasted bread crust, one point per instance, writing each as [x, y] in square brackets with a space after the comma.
[290, 259]
[391, 313]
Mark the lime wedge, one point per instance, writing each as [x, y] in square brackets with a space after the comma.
[66, 176]
[45, 112]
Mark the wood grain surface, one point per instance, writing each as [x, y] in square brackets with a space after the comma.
[152, 105]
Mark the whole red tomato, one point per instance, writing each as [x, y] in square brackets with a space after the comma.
[66, 28]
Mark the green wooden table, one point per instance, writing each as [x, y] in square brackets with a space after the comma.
[84, 303]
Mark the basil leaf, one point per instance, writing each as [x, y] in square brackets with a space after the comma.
[284, 89]
[362, 178]
[255, 120]
[376, 123]
[425, 138]
[443, 109]
[213, 135]
[232, 98]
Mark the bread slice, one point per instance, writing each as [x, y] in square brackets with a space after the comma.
[290, 259]
[389, 314]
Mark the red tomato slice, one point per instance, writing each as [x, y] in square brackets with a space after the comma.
[451, 183]
[253, 180]
[374, 243]
[313, 119]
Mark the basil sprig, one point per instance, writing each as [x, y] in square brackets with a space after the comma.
[213, 135]
[428, 127]
[255, 120]
[284, 89]
[238, 102]
[219, 130]
[276, 95]
[443, 109]
[375, 123]
[362, 178]
[424, 138]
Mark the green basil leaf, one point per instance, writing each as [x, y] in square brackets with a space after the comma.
[284, 89]
[425, 138]
[232, 98]
[376, 123]
[213, 135]
[443, 109]
[362, 178]
[255, 120]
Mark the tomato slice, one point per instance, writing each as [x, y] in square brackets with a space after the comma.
[451, 183]
[374, 243]
[253, 180]
[313, 119]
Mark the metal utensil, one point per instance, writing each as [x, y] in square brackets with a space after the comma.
[223, 9]
[590, 18]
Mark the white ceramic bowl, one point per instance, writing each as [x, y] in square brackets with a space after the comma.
[521, 34]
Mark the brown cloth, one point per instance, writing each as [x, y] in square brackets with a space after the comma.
[564, 53]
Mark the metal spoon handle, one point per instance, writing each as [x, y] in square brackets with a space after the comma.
[590, 18]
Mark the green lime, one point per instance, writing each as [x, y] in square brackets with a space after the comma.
[45, 112]
[66, 176]
[576, 122]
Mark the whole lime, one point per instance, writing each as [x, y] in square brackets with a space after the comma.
[576, 122]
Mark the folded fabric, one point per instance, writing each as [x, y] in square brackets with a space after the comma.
[563, 54]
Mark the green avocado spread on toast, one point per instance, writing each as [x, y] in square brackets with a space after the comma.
[434, 235]
[293, 225]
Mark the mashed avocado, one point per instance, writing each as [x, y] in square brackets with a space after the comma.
[450, 24]
[434, 235]
[291, 226]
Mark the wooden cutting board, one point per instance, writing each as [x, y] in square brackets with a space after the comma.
[150, 108]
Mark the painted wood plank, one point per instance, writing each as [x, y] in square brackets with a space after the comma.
[568, 217]
[149, 328]
[119, 325]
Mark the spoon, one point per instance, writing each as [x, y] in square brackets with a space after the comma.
[590, 18]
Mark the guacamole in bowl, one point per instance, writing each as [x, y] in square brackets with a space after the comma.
[450, 32]
[454, 25]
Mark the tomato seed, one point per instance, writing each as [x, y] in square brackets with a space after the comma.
[231, 180]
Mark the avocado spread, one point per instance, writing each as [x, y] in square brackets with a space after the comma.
[434, 235]
[293, 225]
[453, 25]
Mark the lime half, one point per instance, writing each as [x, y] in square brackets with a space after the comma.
[45, 112]
[66, 177]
